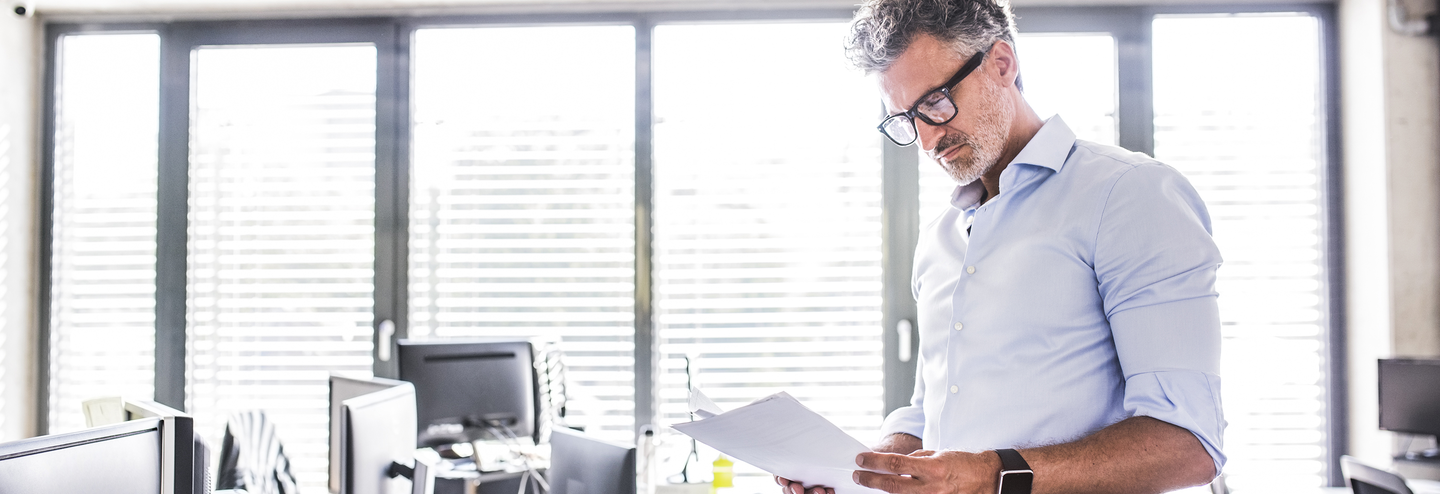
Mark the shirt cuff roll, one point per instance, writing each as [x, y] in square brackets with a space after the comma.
[1186, 399]
[909, 420]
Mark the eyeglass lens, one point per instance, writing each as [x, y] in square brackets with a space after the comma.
[899, 129]
[937, 109]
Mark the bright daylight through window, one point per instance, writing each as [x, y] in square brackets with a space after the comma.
[102, 287]
[280, 283]
[767, 231]
[522, 203]
[1256, 154]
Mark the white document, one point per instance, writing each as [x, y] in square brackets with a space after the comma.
[702, 406]
[779, 435]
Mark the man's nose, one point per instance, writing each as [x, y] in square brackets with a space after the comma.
[928, 135]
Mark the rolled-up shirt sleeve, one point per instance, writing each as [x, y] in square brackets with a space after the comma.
[909, 419]
[1156, 263]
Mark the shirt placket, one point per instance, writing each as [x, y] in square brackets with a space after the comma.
[958, 324]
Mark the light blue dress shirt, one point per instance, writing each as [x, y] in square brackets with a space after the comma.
[1083, 294]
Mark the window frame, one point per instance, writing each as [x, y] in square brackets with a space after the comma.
[392, 37]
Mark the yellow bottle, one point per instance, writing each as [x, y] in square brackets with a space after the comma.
[724, 474]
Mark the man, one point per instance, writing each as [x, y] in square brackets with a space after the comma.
[1067, 300]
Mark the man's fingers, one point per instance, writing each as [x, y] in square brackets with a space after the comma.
[796, 488]
[886, 462]
[894, 484]
[784, 482]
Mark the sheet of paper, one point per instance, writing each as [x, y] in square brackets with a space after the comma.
[702, 406]
[781, 436]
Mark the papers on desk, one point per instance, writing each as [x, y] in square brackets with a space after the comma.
[779, 435]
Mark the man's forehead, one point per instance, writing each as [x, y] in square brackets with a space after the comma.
[926, 64]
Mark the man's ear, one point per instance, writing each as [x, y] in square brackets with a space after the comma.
[1004, 66]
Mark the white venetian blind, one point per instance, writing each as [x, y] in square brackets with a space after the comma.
[1254, 151]
[1070, 74]
[102, 326]
[522, 200]
[280, 276]
[767, 222]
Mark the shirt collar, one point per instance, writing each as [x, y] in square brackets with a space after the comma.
[1050, 146]
[966, 197]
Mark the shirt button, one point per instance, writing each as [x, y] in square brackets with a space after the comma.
[970, 220]
[959, 326]
[970, 270]
[954, 389]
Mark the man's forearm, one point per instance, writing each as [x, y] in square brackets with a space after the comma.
[1136, 455]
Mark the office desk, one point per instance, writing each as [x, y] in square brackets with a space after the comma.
[485, 483]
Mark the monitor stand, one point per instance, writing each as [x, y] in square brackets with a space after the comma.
[1429, 455]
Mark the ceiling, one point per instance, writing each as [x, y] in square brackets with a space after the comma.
[70, 10]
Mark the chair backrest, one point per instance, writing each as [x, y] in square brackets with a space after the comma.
[1217, 486]
[251, 457]
[1365, 479]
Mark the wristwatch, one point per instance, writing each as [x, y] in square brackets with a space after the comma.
[1015, 474]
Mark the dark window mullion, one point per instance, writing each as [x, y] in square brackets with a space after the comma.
[900, 231]
[392, 191]
[1136, 116]
[1337, 441]
[46, 228]
[171, 226]
[645, 340]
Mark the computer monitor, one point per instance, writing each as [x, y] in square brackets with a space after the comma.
[196, 455]
[114, 409]
[470, 390]
[377, 444]
[1410, 396]
[343, 387]
[123, 458]
[580, 464]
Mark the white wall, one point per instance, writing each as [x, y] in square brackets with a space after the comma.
[1390, 88]
[19, 75]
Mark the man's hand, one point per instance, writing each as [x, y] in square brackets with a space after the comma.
[895, 443]
[898, 443]
[1138, 455]
[929, 472]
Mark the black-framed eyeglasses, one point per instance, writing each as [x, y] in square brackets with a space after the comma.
[935, 107]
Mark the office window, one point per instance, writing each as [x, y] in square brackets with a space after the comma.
[767, 221]
[1073, 75]
[280, 282]
[1255, 152]
[522, 200]
[102, 285]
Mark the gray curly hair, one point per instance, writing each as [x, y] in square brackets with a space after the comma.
[883, 29]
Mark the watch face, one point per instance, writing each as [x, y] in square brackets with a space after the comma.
[1016, 482]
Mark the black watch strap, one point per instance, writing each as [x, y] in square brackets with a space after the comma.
[1015, 474]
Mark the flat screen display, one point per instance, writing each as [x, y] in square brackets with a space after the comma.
[1410, 396]
[470, 390]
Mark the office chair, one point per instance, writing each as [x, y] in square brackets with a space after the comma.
[1365, 479]
[1217, 486]
[251, 457]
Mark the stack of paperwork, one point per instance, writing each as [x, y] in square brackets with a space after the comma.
[779, 435]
